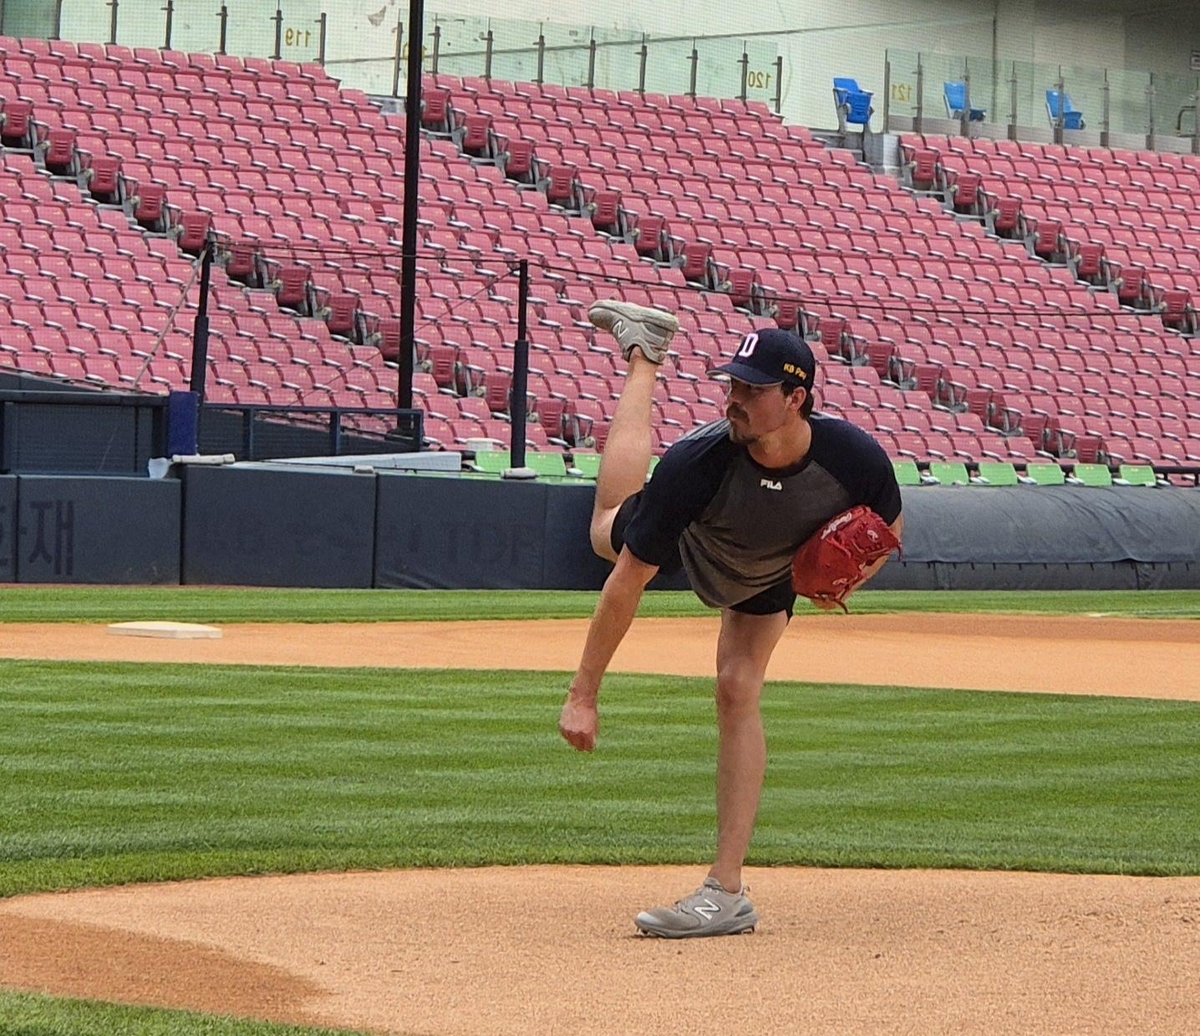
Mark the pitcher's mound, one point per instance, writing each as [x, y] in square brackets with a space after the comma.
[526, 951]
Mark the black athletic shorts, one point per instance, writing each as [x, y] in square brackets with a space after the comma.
[778, 598]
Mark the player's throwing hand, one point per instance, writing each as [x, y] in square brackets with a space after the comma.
[579, 723]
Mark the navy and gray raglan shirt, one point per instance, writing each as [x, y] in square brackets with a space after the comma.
[735, 525]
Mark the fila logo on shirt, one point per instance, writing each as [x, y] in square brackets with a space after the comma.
[767, 483]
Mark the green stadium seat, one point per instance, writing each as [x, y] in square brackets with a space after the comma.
[1095, 475]
[586, 464]
[1046, 474]
[907, 473]
[545, 463]
[949, 472]
[998, 473]
[492, 462]
[1138, 474]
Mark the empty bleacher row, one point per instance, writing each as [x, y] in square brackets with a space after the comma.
[1121, 223]
[304, 185]
[930, 296]
[711, 187]
[1122, 218]
[940, 337]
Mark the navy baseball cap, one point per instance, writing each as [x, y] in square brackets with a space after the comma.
[770, 357]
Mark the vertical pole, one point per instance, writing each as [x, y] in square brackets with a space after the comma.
[1196, 120]
[399, 57]
[695, 59]
[744, 61]
[520, 383]
[112, 24]
[919, 118]
[437, 46]
[170, 9]
[643, 56]
[1012, 119]
[591, 77]
[1106, 111]
[58, 6]
[994, 99]
[1150, 134]
[223, 15]
[200, 328]
[965, 118]
[412, 181]
[1060, 122]
[489, 45]
[278, 20]
[323, 32]
[778, 84]
[248, 445]
[887, 92]
[335, 433]
[541, 57]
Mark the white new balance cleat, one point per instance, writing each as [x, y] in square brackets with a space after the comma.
[633, 326]
[710, 910]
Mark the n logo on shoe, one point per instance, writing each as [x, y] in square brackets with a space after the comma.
[708, 909]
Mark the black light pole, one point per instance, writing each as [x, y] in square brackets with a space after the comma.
[200, 330]
[520, 382]
[412, 173]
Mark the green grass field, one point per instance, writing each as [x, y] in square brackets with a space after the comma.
[247, 604]
[24, 1014]
[112, 773]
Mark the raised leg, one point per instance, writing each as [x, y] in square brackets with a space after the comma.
[643, 335]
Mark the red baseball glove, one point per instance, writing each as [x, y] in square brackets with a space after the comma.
[830, 564]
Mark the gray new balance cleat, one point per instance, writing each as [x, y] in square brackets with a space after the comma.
[710, 910]
[650, 330]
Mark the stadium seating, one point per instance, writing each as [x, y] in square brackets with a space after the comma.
[1082, 211]
[1072, 117]
[853, 103]
[955, 96]
[980, 313]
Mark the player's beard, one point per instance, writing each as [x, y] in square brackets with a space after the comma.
[741, 437]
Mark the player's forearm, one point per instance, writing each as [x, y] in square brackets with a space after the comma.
[611, 621]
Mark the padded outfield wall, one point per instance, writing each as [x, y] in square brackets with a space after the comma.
[280, 525]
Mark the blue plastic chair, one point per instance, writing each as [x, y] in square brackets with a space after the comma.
[955, 95]
[853, 103]
[1072, 117]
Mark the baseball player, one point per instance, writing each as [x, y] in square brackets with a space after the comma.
[731, 502]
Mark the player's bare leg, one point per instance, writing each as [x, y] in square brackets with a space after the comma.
[744, 648]
[643, 335]
[721, 906]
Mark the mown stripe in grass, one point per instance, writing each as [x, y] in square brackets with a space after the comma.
[121, 772]
[246, 604]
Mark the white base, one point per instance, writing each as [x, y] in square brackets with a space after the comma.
[168, 630]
